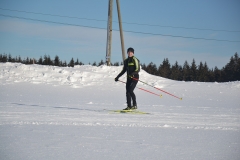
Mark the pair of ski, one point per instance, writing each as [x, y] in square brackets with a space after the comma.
[130, 111]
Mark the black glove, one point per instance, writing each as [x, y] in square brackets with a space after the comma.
[116, 79]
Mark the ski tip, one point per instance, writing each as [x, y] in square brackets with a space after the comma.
[180, 98]
[160, 96]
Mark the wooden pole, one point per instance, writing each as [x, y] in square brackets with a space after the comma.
[109, 33]
[121, 32]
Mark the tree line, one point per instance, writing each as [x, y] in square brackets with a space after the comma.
[194, 72]
[46, 60]
[187, 72]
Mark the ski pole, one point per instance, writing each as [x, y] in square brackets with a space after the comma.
[144, 90]
[155, 88]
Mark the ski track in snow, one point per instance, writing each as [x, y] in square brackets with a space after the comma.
[95, 116]
[35, 97]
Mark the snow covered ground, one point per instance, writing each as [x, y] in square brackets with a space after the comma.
[59, 113]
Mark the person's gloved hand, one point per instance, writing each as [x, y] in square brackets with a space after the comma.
[116, 79]
[131, 75]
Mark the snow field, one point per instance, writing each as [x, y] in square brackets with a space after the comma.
[51, 112]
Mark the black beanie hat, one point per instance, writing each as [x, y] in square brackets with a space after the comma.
[130, 50]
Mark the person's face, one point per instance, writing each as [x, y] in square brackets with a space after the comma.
[130, 54]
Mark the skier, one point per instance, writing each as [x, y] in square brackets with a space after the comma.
[132, 67]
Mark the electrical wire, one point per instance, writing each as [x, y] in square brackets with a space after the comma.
[54, 15]
[118, 30]
[144, 24]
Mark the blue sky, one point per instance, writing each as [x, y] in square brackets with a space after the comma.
[215, 19]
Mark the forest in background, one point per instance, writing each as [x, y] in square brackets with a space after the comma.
[185, 72]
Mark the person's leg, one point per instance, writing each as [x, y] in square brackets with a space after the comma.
[131, 89]
[128, 95]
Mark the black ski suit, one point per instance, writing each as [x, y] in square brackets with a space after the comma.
[132, 67]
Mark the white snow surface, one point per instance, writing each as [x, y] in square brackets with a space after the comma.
[49, 112]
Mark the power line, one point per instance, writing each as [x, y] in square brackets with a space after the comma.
[187, 28]
[144, 24]
[157, 34]
[51, 21]
[54, 15]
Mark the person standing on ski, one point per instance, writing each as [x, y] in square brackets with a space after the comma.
[132, 67]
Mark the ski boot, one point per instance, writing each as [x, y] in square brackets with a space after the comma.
[128, 108]
[134, 107]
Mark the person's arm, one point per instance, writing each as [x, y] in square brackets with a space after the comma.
[122, 72]
[136, 65]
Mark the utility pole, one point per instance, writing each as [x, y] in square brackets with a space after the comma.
[121, 32]
[109, 33]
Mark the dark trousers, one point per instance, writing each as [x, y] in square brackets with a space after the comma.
[130, 86]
